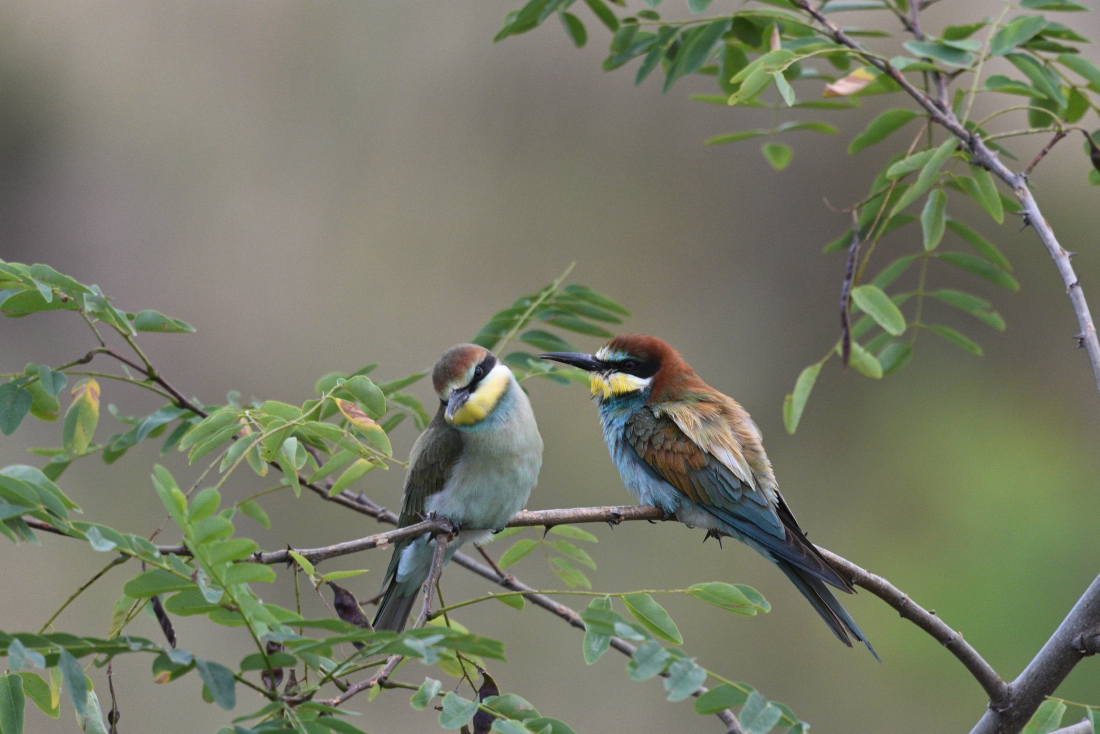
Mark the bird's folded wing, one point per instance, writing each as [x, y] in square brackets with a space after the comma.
[693, 468]
[432, 458]
[688, 448]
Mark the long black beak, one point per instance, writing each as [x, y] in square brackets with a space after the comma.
[584, 361]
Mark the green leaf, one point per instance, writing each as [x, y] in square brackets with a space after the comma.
[248, 573]
[928, 175]
[648, 660]
[893, 271]
[1082, 66]
[759, 715]
[38, 691]
[718, 699]
[604, 13]
[219, 679]
[865, 362]
[990, 199]
[1045, 81]
[652, 616]
[91, 722]
[425, 694]
[571, 531]
[956, 338]
[880, 128]
[1018, 32]
[596, 644]
[876, 304]
[15, 403]
[1047, 718]
[76, 685]
[573, 552]
[158, 322]
[932, 219]
[567, 573]
[735, 137]
[726, 596]
[572, 323]
[1001, 83]
[1056, 5]
[976, 307]
[545, 341]
[784, 88]
[699, 47]
[575, 28]
[906, 166]
[585, 293]
[457, 711]
[366, 392]
[154, 582]
[684, 679]
[353, 472]
[287, 460]
[981, 268]
[12, 703]
[251, 508]
[894, 356]
[941, 52]
[547, 725]
[795, 403]
[513, 600]
[778, 155]
[984, 247]
[516, 553]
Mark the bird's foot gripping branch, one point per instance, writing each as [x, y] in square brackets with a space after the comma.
[307, 667]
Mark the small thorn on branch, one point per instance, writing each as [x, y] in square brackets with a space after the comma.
[1080, 340]
[1087, 643]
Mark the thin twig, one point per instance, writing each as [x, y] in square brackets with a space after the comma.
[572, 618]
[846, 293]
[1046, 149]
[442, 539]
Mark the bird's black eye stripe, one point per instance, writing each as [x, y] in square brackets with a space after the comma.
[636, 367]
[483, 368]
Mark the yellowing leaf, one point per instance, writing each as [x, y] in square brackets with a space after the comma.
[850, 84]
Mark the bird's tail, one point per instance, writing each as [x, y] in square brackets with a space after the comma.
[825, 604]
[393, 612]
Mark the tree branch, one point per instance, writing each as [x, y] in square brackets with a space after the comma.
[1058, 657]
[1048, 669]
[943, 116]
[995, 688]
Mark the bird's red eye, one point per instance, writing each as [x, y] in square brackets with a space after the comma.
[629, 364]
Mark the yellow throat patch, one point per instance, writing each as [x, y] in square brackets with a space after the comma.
[482, 402]
[617, 383]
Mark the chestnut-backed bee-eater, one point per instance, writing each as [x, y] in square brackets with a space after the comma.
[474, 465]
[686, 448]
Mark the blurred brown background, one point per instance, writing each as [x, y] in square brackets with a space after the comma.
[318, 186]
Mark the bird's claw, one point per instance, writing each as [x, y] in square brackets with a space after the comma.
[713, 534]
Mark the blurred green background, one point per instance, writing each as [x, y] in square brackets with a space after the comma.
[319, 186]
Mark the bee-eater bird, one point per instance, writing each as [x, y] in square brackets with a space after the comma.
[474, 465]
[686, 448]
